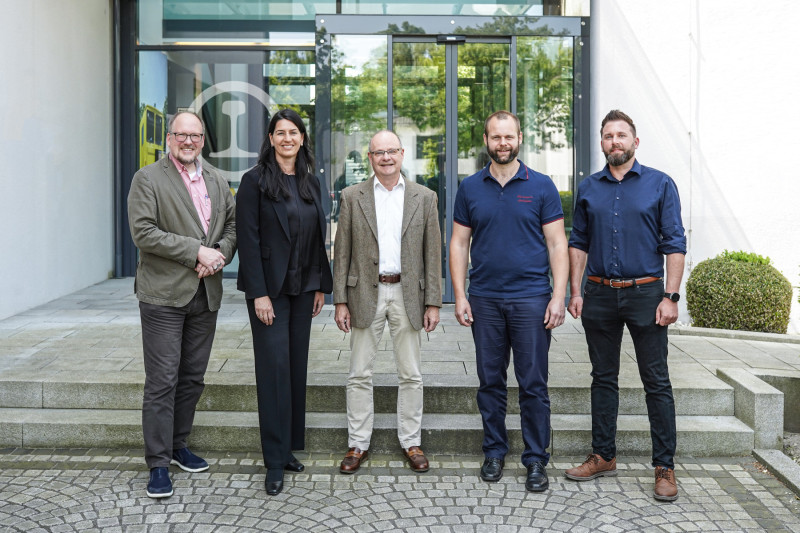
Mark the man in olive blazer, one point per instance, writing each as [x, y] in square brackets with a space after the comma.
[387, 267]
[181, 217]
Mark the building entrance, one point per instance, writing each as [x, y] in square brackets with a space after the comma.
[435, 91]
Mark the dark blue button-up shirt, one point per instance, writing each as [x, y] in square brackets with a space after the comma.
[627, 226]
[508, 253]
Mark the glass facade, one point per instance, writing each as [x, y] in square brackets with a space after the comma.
[350, 70]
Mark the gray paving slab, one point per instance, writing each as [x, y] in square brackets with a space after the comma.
[97, 329]
[65, 490]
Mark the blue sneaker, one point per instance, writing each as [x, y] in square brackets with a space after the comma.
[188, 461]
[159, 485]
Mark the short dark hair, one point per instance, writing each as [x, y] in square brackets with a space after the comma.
[186, 112]
[500, 115]
[616, 114]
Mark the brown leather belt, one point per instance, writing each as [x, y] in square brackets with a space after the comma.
[622, 283]
[389, 278]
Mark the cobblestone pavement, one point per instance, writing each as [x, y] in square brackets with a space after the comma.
[104, 491]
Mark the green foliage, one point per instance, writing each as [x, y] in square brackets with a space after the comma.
[566, 206]
[741, 291]
[745, 257]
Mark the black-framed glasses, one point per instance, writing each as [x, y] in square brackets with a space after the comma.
[391, 151]
[181, 137]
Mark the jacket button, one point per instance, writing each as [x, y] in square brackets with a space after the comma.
[374, 284]
[374, 262]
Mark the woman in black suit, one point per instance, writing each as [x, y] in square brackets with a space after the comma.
[283, 271]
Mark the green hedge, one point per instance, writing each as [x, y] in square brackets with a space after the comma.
[739, 290]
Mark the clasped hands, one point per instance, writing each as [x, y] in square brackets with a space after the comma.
[209, 262]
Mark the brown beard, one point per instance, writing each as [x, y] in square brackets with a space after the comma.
[616, 160]
[511, 156]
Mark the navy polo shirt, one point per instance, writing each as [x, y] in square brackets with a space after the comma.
[508, 253]
[627, 226]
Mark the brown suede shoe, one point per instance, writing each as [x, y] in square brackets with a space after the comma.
[594, 466]
[416, 459]
[666, 489]
[352, 460]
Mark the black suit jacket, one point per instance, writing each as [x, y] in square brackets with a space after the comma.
[262, 232]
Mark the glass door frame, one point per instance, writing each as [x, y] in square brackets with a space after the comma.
[450, 32]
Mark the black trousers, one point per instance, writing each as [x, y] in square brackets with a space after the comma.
[281, 363]
[177, 344]
[605, 311]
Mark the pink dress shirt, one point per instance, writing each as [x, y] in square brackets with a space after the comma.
[196, 186]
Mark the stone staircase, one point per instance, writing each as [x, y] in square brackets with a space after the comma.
[102, 409]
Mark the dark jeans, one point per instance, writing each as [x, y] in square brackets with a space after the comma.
[281, 364]
[514, 324]
[177, 344]
[605, 311]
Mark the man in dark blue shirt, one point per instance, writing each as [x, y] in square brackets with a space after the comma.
[513, 217]
[627, 219]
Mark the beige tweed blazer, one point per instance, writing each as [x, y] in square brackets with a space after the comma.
[356, 254]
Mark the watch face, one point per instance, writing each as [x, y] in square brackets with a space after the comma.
[674, 296]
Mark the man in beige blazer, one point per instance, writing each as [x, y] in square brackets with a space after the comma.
[181, 217]
[387, 267]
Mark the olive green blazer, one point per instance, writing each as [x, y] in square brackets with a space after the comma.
[168, 232]
[355, 261]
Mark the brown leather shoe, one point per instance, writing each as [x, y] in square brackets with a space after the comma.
[594, 466]
[666, 489]
[352, 460]
[416, 459]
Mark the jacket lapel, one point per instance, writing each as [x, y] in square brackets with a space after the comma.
[283, 215]
[176, 180]
[367, 203]
[410, 205]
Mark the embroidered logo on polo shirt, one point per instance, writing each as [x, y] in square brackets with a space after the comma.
[525, 199]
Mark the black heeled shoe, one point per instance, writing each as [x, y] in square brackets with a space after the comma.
[294, 465]
[274, 482]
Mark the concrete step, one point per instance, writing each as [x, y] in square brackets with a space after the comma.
[235, 391]
[458, 434]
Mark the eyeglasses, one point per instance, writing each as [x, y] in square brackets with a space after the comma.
[180, 137]
[391, 151]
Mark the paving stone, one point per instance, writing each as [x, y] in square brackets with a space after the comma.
[717, 494]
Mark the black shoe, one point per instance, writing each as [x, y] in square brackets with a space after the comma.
[294, 466]
[537, 481]
[274, 482]
[492, 469]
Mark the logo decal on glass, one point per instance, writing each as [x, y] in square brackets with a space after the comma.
[238, 158]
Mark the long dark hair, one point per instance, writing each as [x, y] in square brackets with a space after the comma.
[270, 172]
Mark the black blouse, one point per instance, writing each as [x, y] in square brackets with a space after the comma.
[303, 274]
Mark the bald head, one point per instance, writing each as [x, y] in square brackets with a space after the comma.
[386, 157]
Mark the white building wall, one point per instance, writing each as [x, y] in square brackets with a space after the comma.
[56, 149]
[713, 89]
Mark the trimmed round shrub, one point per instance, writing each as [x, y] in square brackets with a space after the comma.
[738, 290]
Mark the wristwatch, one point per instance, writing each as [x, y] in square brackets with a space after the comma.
[674, 296]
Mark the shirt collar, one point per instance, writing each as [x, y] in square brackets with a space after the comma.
[401, 184]
[522, 172]
[198, 166]
[636, 169]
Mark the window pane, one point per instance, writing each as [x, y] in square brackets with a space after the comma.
[544, 104]
[235, 92]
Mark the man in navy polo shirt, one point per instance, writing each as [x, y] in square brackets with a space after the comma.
[513, 216]
[627, 219]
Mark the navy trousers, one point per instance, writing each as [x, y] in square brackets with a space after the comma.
[501, 325]
[605, 311]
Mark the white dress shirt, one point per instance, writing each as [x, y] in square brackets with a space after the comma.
[389, 210]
